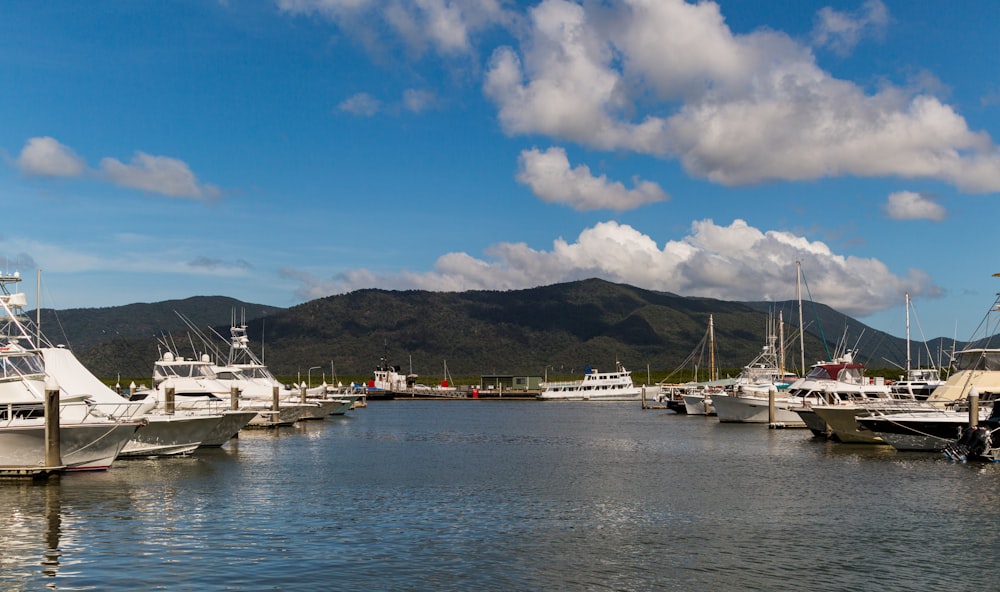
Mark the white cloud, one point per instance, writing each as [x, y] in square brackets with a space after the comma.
[46, 156]
[907, 205]
[669, 78]
[446, 26]
[736, 262]
[417, 100]
[361, 104]
[550, 177]
[842, 31]
[157, 174]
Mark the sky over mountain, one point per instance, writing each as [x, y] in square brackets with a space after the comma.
[282, 151]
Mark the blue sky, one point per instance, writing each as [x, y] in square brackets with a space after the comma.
[282, 151]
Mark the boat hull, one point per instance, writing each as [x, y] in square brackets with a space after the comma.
[698, 404]
[744, 409]
[318, 408]
[813, 422]
[227, 428]
[83, 447]
[581, 396]
[342, 407]
[925, 431]
[843, 424]
[286, 415]
[169, 435]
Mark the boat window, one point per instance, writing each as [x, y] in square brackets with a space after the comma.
[979, 359]
[851, 375]
[22, 365]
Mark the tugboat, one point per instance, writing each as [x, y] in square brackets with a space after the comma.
[388, 382]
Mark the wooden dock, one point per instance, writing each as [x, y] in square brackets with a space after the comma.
[29, 472]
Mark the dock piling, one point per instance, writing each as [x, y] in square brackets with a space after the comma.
[53, 452]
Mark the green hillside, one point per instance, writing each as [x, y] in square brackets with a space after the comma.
[555, 329]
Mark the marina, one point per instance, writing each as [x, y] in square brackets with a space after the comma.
[489, 495]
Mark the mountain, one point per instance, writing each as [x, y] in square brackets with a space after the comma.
[123, 339]
[555, 330]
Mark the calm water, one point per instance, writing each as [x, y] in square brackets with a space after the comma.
[485, 495]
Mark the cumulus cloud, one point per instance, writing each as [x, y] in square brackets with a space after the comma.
[736, 262]
[46, 156]
[669, 78]
[842, 31]
[907, 205]
[157, 174]
[361, 104]
[551, 178]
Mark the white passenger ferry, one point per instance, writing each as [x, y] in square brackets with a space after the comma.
[595, 386]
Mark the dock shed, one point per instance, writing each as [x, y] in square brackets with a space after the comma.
[509, 382]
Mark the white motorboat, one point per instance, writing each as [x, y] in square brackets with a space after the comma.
[919, 383]
[945, 414]
[947, 411]
[839, 382]
[91, 436]
[255, 383]
[254, 379]
[699, 402]
[162, 433]
[196, 385]
[748, 399]
[595, 386]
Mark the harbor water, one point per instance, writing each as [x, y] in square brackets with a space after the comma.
[492, 495]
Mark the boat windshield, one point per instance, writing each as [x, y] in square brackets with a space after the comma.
[851, 375]
[979, 359]
[255, 372]
[185, 371]
[20, 365]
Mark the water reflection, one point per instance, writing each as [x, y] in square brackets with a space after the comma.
[31, 532]
[425, 496]
[53, 524]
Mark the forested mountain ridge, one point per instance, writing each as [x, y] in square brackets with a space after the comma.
[556, 329]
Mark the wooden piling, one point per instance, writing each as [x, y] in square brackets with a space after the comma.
[169, 400]
[275, 405]
[53, 452]
[771, 392]
[234, 398]
[973, 407]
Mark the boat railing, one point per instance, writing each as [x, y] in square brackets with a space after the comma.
[561, 383]
[125, 410]
[74, 412]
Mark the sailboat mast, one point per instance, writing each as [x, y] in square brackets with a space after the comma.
[802, 329]
[711, 349]
[38, 309]
[781, 344]
[907, 335]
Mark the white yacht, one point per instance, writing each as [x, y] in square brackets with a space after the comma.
[247, 372]
[946, 412]
[748, 399]
[196, 387]
[595, 386]
[91, 435]
[162, 434]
